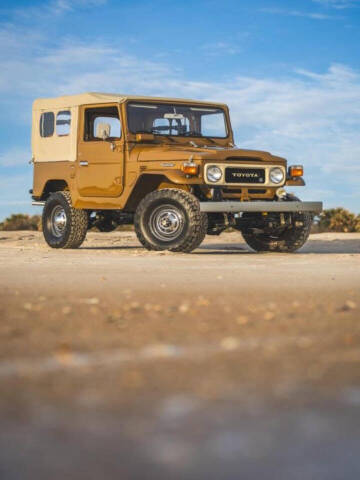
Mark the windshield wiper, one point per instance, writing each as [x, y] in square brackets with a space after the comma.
[169, 137]
[191, 133]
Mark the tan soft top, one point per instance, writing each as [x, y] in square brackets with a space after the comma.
[68, 101]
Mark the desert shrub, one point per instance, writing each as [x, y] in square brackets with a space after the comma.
[337, 220]
[357, 224]
[19, 221]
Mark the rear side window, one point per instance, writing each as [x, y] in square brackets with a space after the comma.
[47, 121]
[63, 122]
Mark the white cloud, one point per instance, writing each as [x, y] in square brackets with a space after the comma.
[15, 157]
[308, 117]
[220, 48]
[56, 8]
[14, 196]
[338, 4]
[298, 13]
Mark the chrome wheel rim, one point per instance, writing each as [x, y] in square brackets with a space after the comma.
[166, 223]
[58, 221]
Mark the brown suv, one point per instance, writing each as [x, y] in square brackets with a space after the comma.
[168, 166]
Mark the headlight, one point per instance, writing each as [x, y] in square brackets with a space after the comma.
[214, 174]
[276, 175]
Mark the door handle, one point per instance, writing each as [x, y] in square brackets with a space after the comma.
[84, 163]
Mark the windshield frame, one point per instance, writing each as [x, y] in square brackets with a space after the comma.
[182, 104]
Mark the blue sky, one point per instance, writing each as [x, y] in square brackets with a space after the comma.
[289, 70]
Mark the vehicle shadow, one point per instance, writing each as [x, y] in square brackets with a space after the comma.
[223, 249]
[334, 246]
[113, 247]
[319, 247]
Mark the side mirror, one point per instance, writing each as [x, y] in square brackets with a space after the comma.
[145, 137]
[103, 130]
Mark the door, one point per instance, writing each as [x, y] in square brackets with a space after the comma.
[99, 169]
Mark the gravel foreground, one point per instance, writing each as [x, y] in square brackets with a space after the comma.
[118, 363]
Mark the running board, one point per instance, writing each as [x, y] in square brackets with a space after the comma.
[281, 206]
[37, 204]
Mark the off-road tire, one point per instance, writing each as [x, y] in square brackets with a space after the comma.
[73, 233]
[289, 241]
[181, 204]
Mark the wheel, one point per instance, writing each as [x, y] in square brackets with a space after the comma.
[170, 219]
[289, 240]
[63, 226]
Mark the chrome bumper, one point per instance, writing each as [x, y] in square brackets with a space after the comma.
[284, 206]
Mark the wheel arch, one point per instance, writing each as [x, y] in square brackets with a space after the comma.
[193, 224]
[148, 183]
[52, 186]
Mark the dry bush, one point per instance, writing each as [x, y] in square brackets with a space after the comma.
[19, 221]
[337, 220]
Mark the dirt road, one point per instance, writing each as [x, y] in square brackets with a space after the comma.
[118, 363]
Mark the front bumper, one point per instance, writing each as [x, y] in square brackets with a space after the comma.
[281, 206]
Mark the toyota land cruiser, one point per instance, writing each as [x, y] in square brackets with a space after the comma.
[168, 166]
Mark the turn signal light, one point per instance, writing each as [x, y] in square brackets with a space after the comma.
[190, 168]
[296, 171]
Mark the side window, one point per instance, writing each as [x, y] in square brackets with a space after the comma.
[47, 121]
[63, 122]
[101, 115]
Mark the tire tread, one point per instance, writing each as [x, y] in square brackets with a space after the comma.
[197, 220]
[295, 239]
[77, 218]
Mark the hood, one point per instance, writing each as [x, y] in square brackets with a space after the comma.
[171, 153]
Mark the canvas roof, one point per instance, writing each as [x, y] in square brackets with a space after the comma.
[68, 101]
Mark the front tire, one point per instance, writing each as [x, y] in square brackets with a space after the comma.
[63, 225]
[170, 219]
[290, 240]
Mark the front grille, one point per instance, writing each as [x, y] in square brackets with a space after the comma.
[231, 190]
[258, 191]
[244, 175]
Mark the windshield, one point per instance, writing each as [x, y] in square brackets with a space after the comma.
[177, 120]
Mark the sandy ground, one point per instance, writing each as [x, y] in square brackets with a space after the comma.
[118, 363]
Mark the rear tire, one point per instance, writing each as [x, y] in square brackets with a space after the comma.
[63, 225]
[170, 219]
[289, 240]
